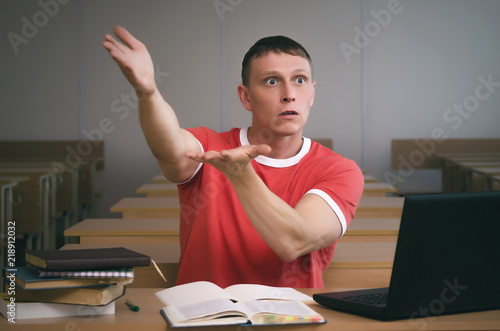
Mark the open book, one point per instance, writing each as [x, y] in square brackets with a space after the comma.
[204, 303]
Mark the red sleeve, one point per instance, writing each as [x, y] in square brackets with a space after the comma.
[341, 184]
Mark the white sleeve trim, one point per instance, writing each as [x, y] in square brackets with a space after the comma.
[197, 168]
[334, 207]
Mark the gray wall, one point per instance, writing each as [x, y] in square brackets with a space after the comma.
[384, 69]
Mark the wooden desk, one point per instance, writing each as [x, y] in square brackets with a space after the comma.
[38, 209]
[66, 151]
[149, 319]
[158, 190]
[147, 207]
[67, 185]
[380, 207]
[378, 189]
[371, 189]
[462, 171]
[7, 185]
[361, 255]
[479, 177]
[494, 183]
[84, 174]
[373, 227]
[163, 230]
[369, 178]
[129, 230]
[368, 264]
[451, 177]
[159, 179]
[361, 265]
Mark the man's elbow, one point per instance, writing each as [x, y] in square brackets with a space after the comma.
[290, 252]
[288, 256]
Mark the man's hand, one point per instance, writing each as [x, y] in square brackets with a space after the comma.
[133, 59]
[231, 162]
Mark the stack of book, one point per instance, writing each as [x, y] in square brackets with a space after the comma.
[61, 281]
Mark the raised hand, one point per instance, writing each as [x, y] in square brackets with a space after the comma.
[231, 162]
[133, 59]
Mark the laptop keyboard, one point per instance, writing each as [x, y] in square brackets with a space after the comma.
[371, 299]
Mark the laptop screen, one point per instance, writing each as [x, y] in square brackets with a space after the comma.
[448, 255]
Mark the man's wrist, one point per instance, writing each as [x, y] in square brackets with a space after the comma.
[238, 175]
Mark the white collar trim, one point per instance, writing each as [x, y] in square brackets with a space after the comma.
[277, 163]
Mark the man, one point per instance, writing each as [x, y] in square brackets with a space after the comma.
[260, 204]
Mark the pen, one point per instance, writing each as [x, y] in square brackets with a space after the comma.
[131, 305]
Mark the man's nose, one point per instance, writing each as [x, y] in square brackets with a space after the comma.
[288, 93]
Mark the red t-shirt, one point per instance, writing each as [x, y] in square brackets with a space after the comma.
[218, 241]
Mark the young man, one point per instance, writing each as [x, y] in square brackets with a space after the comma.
[260, 204]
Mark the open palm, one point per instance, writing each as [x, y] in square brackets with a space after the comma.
[231, 162]
[133, 59]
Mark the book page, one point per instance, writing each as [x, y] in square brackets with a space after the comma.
[280, 312]
[196, 312]
[288, 308]
[249, 292]
[191, 293]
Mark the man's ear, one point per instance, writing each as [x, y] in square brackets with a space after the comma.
[244, 97]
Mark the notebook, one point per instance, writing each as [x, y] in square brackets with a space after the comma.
[447, 261]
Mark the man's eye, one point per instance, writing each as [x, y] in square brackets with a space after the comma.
[300, 80]
[271, 81]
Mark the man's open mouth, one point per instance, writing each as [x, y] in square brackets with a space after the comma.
[288, 112]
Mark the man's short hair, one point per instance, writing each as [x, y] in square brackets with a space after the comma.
[276, 44]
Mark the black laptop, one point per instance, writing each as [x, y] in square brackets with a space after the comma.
[447, 261]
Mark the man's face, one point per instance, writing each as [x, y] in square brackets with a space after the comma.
[280, 93]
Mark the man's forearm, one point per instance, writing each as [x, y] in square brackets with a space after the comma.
[287, 232]
[167, 140]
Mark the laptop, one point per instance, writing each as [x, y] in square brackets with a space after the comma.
[447, 261]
